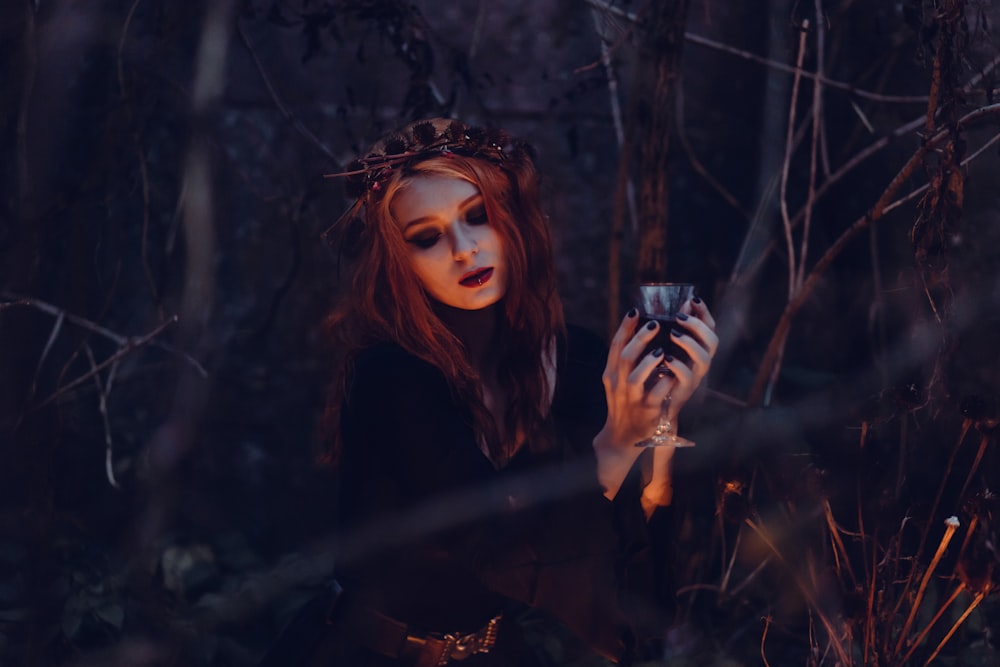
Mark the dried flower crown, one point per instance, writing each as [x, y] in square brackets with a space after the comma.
[419, 141]
[424, 140]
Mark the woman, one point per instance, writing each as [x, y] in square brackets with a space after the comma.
[487, 451]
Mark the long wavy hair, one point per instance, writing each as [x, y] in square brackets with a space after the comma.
[385, 301]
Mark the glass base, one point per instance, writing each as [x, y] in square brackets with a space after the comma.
[665, 435]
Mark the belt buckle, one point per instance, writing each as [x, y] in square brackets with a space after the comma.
[459, 647]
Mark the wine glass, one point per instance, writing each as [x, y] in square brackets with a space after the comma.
[661, 302]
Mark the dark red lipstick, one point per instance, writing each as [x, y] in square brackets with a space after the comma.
[477, 278]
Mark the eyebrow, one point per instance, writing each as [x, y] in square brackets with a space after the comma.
[466, 203]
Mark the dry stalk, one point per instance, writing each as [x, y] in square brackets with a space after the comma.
[951, 524]
[965, 543]
[975, 464]
[933, 510]
[961, 619]
[763, 638]
[817, 124]
[732, 560]
[750, 577]
[783, 189]
[841, 652]
[839, 552]
[940, 612]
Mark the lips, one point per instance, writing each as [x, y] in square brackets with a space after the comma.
[476, 278]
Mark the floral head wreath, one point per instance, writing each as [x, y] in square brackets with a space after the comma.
[415, 143]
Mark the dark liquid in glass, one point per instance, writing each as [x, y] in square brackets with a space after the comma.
[663, 338]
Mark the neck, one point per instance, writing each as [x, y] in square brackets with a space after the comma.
[479, 332]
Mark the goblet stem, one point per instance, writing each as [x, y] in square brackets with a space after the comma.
[665, 433]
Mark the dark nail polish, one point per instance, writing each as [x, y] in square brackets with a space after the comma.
[632, 313]
[658, 352]
[669, 358]
[676, 332]
[682, 317]
[696, 300]
[652, 325]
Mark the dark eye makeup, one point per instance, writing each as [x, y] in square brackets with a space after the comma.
[474, 215]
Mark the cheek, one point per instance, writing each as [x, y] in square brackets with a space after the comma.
[427, 270]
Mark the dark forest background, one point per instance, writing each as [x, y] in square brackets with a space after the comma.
[825, 171]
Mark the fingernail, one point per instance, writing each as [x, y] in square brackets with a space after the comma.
[652, 325]
[658, 352]
[676, 332]
[696, 300]
[669, 358]
[682, 317]
[632, 313]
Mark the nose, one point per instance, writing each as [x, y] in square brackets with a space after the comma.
[465, 245]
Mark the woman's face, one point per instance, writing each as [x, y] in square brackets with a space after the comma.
[453, 248]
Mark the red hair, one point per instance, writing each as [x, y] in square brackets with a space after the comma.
[385, 301]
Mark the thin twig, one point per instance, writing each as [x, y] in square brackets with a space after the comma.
[855, 161]
[763, 638]
[129, 346]
[285, 111]
[838, 543]
[979, 458]
[923, 633]
[806, 593]
[774, 64]
[140, 155]
[750, 577]
[785, 165]
[877, 212]
[975, 603]
[951, 525]
[93, 327]
[732, 561]
[965, 543]
[817, 124]
[932, 512]
[56, 328]
[102, 396]
[696, 163]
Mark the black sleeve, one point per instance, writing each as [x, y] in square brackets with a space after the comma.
[644, 554]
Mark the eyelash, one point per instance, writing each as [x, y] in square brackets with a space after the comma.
[475, 216]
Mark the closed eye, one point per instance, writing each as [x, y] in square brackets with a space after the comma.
[425, 241]
[477, 215]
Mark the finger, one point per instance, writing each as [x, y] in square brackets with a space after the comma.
[644, 370]
[664, 387]
[700, 310]
[686, 381]
[624, 333]
[698, 331]
[622, 336]
[642, 337]
[700, 357]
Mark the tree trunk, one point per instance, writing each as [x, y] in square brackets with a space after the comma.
[661, 42]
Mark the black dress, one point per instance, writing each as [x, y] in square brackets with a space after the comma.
[442, 541]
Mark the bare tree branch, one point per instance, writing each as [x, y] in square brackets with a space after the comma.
[877, 212]
[93, 327]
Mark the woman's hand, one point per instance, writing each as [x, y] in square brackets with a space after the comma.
[634, 406]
